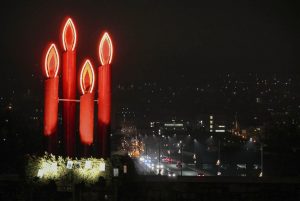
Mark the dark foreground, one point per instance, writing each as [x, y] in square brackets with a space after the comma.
[153, 188]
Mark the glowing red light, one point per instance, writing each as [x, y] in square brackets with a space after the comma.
[105, 49]
[69, 36]
[87, 78]
[51, 62]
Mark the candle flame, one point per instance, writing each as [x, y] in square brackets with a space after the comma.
[51, 62]
[105, 49]
[69, 36]
[87, 78]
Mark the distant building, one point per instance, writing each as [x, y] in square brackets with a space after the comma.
[174, 125]
[217, 124]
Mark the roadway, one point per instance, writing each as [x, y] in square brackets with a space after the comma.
[151, 167]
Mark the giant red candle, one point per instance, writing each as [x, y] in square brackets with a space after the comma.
[69, 39]
[104, 94]
[86, 119]
[51, 66]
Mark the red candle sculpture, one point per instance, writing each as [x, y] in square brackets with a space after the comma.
[51, 95]
[104, 93]
[69, 39]
[87, 82]
[86, 124]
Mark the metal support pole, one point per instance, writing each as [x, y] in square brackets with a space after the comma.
[219, 154]
[159, 158]
[181, 165]
[219, 150]
[71, 100]
[262, 158]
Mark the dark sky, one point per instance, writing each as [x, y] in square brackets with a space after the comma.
[157, 41]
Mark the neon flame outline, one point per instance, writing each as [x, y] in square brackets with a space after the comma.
[103, 39]
[87, 62]
[70, 23]
[46, 60]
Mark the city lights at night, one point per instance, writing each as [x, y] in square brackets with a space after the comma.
[150, 100]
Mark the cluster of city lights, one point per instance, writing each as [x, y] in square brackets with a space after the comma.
[134, 147]
[149, 162]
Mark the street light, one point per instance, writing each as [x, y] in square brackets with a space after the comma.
[181, 153]
[219, 161]
[159, 166]
[159, 158]
[195, 152]
[261, 159]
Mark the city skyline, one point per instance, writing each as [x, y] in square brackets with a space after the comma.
[148, 100]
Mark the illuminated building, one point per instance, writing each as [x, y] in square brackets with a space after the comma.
[211, 123]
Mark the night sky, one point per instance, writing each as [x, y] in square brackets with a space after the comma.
[156, 41]
[178, 60]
